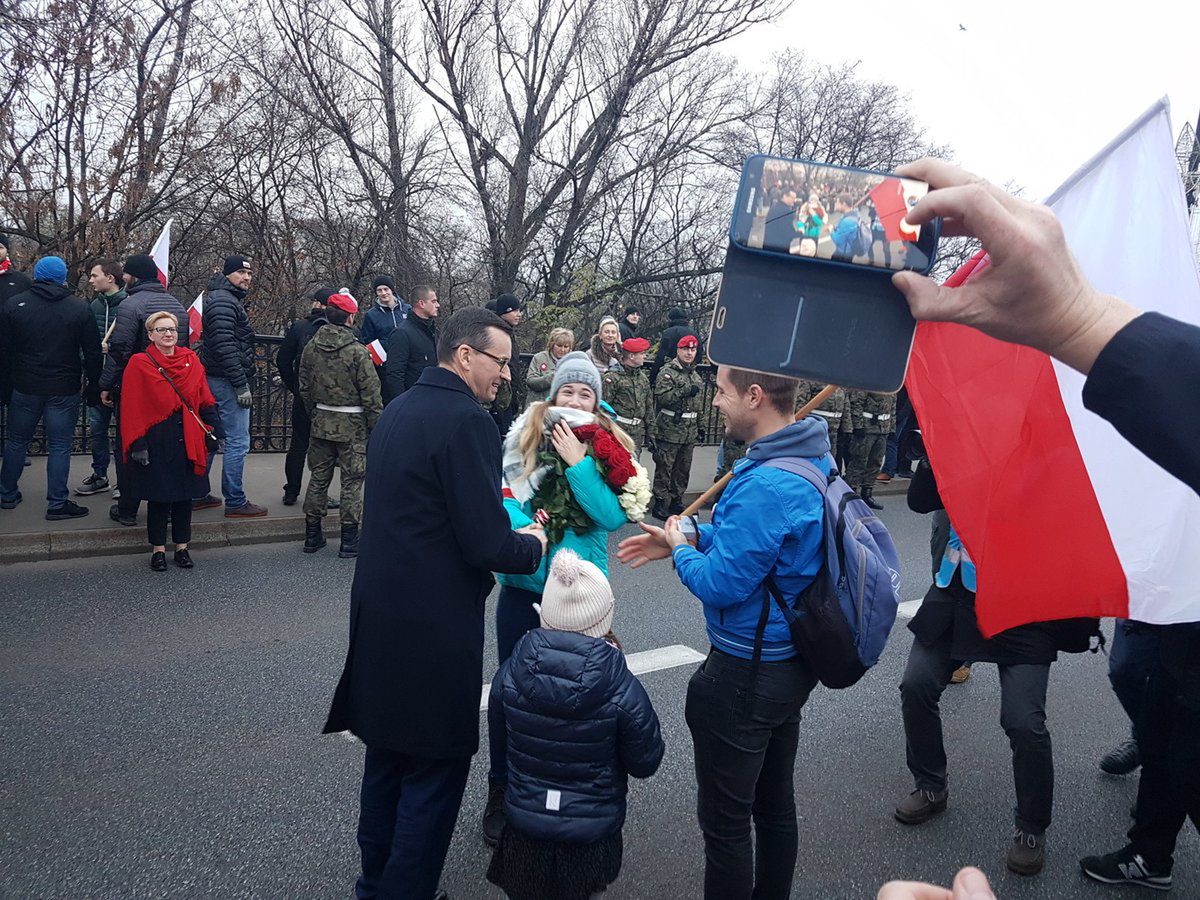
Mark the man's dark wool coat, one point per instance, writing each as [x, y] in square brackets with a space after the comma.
[433, 531]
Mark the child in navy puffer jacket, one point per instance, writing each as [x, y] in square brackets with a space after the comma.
[579, 724]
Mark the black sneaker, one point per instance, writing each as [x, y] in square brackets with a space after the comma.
[1121, 759]
[68, 510]
[93, 484]
[114, 513]
[1125, 867]
[11, 504]
[494, 818]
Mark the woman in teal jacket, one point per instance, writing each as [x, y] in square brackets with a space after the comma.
[574, 401]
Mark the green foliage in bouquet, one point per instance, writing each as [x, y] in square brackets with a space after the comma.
[555, 497]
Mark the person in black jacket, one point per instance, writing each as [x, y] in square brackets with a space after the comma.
[1141, 369]
[433, 532]
[412, 347]
[579, 724]
[49, 346]
[12, 280]
[630, 322]
[678, 326]
[947, 632]
[145, 296]
[287, 360]
[227, 352]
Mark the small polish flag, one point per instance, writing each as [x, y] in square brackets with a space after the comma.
[378, 354]
[161, 252]
[196, 318]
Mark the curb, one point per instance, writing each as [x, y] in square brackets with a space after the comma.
[40, 546]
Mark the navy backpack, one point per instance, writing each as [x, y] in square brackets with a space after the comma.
[840, 623]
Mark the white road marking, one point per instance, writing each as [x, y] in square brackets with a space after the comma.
[639, 664]
[908, 609]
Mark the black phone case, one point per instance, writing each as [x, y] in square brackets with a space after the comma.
[806, 319]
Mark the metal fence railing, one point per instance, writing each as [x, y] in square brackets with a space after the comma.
[271, 414]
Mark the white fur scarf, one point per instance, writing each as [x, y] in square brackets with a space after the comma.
[513, 466]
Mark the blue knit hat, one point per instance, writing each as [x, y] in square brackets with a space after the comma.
[50, 268]
[575, 368]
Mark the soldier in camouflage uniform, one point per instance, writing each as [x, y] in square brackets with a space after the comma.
[835, 410]
[874, 418]
[678, 392]
[627, 391]
[340, 390]
[730, 452]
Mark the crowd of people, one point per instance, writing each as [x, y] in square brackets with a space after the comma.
[471, 500]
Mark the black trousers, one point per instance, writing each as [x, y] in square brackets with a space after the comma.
[180, 513]
[1022, 716]
[1169, 746]
[406, 818]
[127, 504]
[745, 749]
[293, 465]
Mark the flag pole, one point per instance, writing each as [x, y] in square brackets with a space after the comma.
[711, 495]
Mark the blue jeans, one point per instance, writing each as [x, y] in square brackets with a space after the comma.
[59, 415]
[235, 420]
[905, 421]
[1131, 661]
[408, 807]
[515, 616]
[98, 419]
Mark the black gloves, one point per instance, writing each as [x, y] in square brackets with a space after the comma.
[650, 445]
[702, 436]
[141, 457]
[694, 390]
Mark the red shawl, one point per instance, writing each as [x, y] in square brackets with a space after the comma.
[148, 399]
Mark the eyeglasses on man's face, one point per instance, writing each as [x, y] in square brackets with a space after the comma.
[501, 361]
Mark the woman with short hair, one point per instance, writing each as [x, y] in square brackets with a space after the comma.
[541, 369]
[167, 413]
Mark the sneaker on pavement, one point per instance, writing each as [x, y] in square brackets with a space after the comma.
[93, 484]
[68, 510]
[1026, 853]
[116, 492]
[114, 513]
[208, 501]
[1121, 759]
[961, 674]
[12, 502]
[1125, 867]
[921, 806]
[249, 511]
[494, 818]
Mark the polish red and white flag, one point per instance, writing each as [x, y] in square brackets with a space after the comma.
[196, 318]
[161, 253]
[1062, 516]
[378, 354]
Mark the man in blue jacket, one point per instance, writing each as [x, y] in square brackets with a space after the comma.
[745, 720]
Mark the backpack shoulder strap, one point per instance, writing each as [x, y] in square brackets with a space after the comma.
[798, 465]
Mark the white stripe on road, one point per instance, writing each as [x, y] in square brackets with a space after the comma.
[908, 609]
[639, 664]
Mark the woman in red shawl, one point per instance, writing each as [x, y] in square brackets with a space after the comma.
[162, 439]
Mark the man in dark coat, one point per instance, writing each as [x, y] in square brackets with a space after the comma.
[227, 352]
[287, 360]
[145, 295]
[630, 322]
[412, 347]
[48, 345]
[12, 281]
[410, 686]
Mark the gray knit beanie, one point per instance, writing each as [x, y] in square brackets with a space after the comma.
[575, 368]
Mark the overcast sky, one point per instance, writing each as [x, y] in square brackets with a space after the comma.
[1029, 91]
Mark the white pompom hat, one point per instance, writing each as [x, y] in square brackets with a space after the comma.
[577, 597]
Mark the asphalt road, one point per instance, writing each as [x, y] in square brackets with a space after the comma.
[160, 738]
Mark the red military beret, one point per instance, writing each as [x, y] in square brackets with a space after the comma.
[688, 340]
[635, 345]
[344, 301]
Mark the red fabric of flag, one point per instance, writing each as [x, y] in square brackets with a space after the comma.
[888, 197]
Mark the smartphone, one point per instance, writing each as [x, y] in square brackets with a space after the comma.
[833, 214]
[843, 325]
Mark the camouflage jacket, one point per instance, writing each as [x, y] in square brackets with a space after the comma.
[336, 371]
[680, 408]
[835, 410]
[873, 413]
[628, 392]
